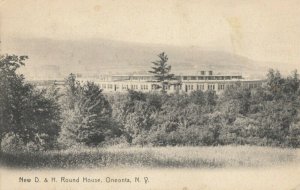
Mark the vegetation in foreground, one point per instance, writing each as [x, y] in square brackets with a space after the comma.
[154, 157]
[52, 119]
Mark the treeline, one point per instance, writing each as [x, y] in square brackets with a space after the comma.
[267, 116]
[80, 114]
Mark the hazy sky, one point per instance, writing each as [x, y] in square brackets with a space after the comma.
[265, 30]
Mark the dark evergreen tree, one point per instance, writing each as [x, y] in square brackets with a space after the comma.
[161, 71]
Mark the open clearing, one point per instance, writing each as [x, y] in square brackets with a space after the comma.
[167, 168]
[154, 157]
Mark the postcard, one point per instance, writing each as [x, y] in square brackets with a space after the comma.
[140, 94]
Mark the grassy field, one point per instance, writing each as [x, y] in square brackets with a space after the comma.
[154, 157]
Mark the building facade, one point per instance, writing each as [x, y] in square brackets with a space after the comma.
[205, 80]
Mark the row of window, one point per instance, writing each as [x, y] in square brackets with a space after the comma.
[221, 87]
[188, 87]
[144, 87]
[213, 86]
[133, 78]
[124, 86]
[106, 86]
[211, 77]
[201, 87]
[253, 85]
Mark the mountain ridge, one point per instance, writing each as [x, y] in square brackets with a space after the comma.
[56, 58]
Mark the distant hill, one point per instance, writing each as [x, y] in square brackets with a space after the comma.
[57, 58]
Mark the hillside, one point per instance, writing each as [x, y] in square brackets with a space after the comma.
[56, 58]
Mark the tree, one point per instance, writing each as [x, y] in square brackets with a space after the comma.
[238, 97]
[135, 113]
[24, 110]
[275, 84]
[161, 71]
[8, 77]
[86, 113]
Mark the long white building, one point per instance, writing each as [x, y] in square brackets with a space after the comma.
[205, 80]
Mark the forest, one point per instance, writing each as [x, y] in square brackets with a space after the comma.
[81, 114]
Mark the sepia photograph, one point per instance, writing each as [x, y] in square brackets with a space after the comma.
[150, 94]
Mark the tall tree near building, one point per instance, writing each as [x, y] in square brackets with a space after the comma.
[161, 71]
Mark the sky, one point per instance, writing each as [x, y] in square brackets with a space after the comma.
[263, 30]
